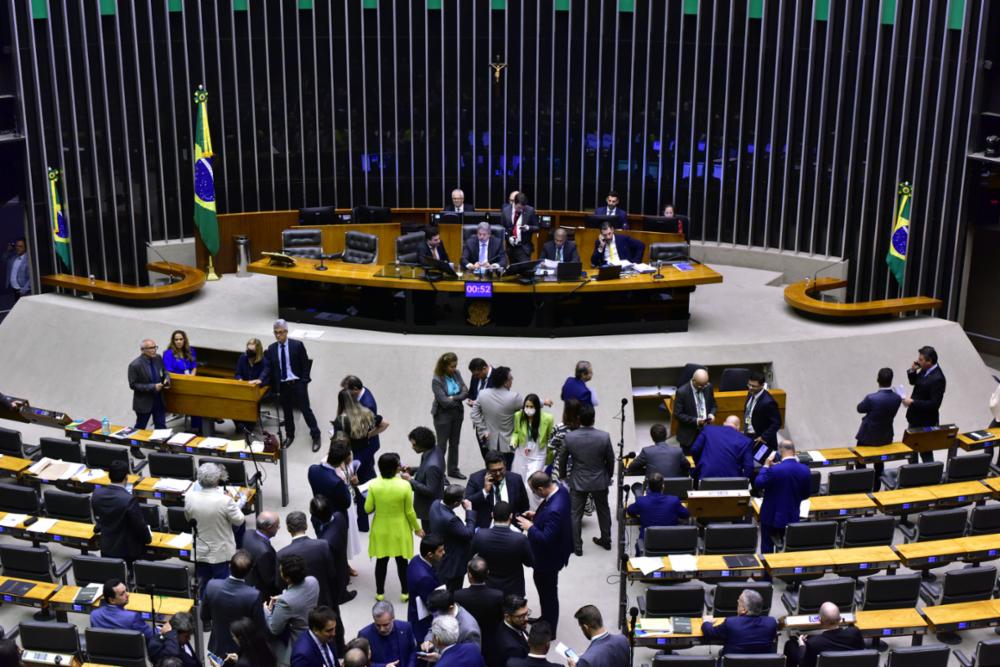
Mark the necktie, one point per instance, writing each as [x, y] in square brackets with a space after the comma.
[435, 251]
[284, 363]
[613, 252]
[748, 410]
[482, 253]
[496, 493]
[680, 227]
[699, 400]
[153, 375]
[517, 228]
[559, 255]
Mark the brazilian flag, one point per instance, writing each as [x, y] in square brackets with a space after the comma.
[900, 240]
[60, 233]
[204, 179]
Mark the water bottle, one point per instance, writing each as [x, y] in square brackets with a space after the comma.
[105, 426]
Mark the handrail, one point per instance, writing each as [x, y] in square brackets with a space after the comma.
[192, 280]
[801, 296]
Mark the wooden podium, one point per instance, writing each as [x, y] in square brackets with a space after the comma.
[729, 403]
[216, 398]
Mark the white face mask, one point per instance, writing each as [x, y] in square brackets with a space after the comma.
[529, 412]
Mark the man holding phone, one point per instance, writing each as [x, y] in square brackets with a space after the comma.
[494, 484]
[928, 391]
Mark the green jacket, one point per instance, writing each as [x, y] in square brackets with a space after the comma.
[520, 435]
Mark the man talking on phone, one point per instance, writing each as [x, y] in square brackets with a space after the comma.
[929, 384]
[492, 485]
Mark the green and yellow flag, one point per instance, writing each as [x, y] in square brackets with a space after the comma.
[60, 234]
[900, 240]
[204, 178]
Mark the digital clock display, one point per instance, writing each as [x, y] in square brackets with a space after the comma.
[477, 290]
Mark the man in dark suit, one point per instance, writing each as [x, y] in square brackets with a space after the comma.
[784, 486]
[333, 530]
[148, 379]
[427, 480]
[539, 641]
[659, 457]
[612, 207]
[803, 651]
[611, 248]
[510, 640]
[560, 249]
[519, 223]
[457, 535]
[483, 250]
[655, 508]
[317, 647]
[928, 391]
[433, 247]
[479, 379]
[451, 652]
[227, 600]
[174, 641]
[550, 534]
[290, 381]
[458, 204]
[421, 579]
[389, 639]
[507, 552]
[492, 485]
[605, 649]
[694, 406]
[319, 564]
[747, 632]
[482, 601]
[264, 574]
[879, 409]
[587, 462]
[761, 416]
[118, 519]
[722, 451]
[576, 387]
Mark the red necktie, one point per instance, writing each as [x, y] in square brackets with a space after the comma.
[680, 227]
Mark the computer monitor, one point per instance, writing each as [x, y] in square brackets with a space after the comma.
[372, 214]
[317, 215]
[595, 221]
[658, 223]
[522, 269]
[435, 269]
[475, 217]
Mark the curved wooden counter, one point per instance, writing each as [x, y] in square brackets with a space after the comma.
[802, 297]
[192, 280]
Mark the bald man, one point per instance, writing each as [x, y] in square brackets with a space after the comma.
[147, 378]
[694, 407]
[560, 248]
[264, 574]
[722, 451]
[834, 636]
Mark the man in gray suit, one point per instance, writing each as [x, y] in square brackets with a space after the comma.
[227, 600]
[493, 414]
[605, 649]
[287, 615]
[148, 379]
[665, 459]
[588, 454]
[442, 603]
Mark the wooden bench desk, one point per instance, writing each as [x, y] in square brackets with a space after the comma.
[657, 638]
[166, 607]
[904, 501]
[962, 615]
[161, 546]
[829, 457]
[960, 493]
[840, 506]
[981, 547]
[831, 560]
[882, 623]
[75, 534]
[36, 597]
[709, 567]
[970, 445]
[894, 451]
[918, 555]
[12, 466]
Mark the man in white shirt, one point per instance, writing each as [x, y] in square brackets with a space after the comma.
[212, 514]
[458, 204]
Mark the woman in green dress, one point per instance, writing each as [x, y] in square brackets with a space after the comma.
[394, 523]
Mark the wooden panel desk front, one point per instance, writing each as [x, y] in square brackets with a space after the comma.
[12, 466]
[895, 451]
[882, 623]
[963, 615]
[729, 403]
[831, 560]
[38, 596]
[932, 553]
[161, 546]
[969, 445]
[904, 501]
[191, 280]
[831, 457]
[74, 534]
[960, 493]
[801, 296]
[840, 506]
[658, 638]
[709, 567]
[63, 601]
[217, 398]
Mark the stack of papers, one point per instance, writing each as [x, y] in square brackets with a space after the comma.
[179, 438]
[213, 443]
[646, 564]
[816, 456]
[175, 485]
[88, 475]
[13, 520]
[124, 432]
[161, 434]
[51, 470]
[683, 562]
[656, 624]
[41, 526]
[234, 446]
[181, 541]
[804, 509]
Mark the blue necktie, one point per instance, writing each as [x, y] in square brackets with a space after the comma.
[153, 375]
[482, 253]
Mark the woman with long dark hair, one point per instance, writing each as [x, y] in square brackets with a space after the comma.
[450, 391]
[391, 499]
[254, 649]
[530, 440]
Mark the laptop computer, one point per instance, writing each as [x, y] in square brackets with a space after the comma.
[609, 272]
[569, 270]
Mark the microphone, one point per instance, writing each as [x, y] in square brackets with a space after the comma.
[633, 615]
[624, 402]
[630, 455]
[169, 264]
[193, 523]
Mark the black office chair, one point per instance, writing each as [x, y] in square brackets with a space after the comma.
[34, 563]
[722, 538]
[360, 248]
[677, 600]
[11, 444]
[124, 648]
[67, 506]
[724, 484]
[97, 570]
[963, 585]
[815, 482]
[864, 658]
[670, 251]
[812, 594]
[733, 379]
[176, 466]
[987, 655]
[49, 637]
[664, 540]
[151, 513]
[677, 660]
[236, 471]
[913, 474]
[868, 531]
[61, 449]
[985, 519]
[753, 660]
[679, 486]
[808, 536]
[170, 579]
[850, 481]
[408, 247]
[968, 468]
[890, 591]
[19, 499]
[687, 373]
[721, 600]
[176, 521]
[302, 242]
[102, 456]
[937, 525]
[366, 215]
[933, 655]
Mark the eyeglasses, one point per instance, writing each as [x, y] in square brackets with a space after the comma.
[150, 347]
[524, 614]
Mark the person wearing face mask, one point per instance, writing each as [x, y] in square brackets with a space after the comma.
[532, 432]
[252, 367]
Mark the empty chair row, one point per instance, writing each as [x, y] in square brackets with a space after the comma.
[966, 468]
[910, 656]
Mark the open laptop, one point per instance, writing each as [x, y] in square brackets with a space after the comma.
[609, 272]
[569, 271]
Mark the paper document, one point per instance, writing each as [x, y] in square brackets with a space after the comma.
[213, 443]
[804, 509]
[422, 610]
[683, 562]
[161, 434]
[12, 520]
[305, 333]
[180, 438]
[41, 465]
[41, 526]
[656, 624]
[175, 485]
[900, 390]
[71, 471]
[181, 541]
[363, 488]
[88, 475]
[646, 564]
[643, 268]
[817, 456]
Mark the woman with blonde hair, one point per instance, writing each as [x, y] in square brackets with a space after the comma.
[359, 423]
[449, 392]
[252, 367]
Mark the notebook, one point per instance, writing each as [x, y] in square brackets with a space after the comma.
[740, 561]
[17, 588]
[89, 426]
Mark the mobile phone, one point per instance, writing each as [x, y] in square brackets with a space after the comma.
[30, 520]
[566, 651]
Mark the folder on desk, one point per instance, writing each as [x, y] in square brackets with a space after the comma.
[161, 434]
[657, 624]
[180, 438]
[89, 426]
[682, 625]
[174, 485]
[978, 435]
[16, 588]
[740, 561]
[88, 594]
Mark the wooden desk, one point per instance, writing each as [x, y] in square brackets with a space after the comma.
[892, 452]
[891, 623]
[160, 546]
[917, 555]
[968, 444]
[166, 607]
[993, 483]
[962, 615]
[70, 533]
[840, 506]
[981, 547]
[904, 501]
[801, 296]
[960, 493]
[191, 280]
[36, 597]
[833, 457]
[146, 488]
[709, 567]
[729, 403]
[12, 466]
[830, 560]
[658, 638]
[75, 483]
[216, 398]
[718, 504]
